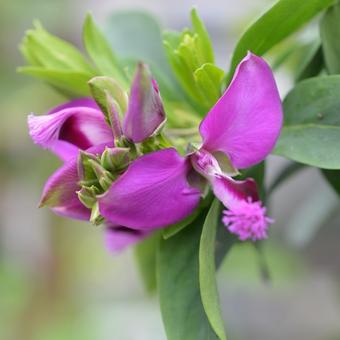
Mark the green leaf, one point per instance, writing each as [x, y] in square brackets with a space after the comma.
[207, 270]
[145, 254]
[175, 228]
[178, 284]
[333, 178]
[284, 18]
[330, 36]
[178, 281]
[209, 78]
[100, 52]
[137, 35]
[312, 63]
[43, 49]
[311, 132]
[72, 83]
[204, 39]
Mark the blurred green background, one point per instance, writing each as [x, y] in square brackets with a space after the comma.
[57, 281]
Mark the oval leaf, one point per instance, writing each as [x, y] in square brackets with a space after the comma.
[330, 35]
[287, 16]
[207, 271]
[178, 283]
[311, 133]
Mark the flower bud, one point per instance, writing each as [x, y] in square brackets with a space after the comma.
[145, 114]
[115, 159]
[87, 196]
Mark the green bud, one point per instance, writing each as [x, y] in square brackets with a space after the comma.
[115, 159]
[85, 169]
[104, 177]
[96, 218]
[104, 87]
[87, 196]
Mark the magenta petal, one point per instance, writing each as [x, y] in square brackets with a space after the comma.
[79, 102]
[69, 129]
[60, 192]
[152, 193]
[145, 110]
[230, 192]
[117, 238]
[246, 121]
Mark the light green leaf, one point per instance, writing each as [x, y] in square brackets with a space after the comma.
[207, 270]
[101, 53]
[330, 37]
[204, 39]
[46, 50]
[209, 78]
[178, 284]
[72, 83]
[284, 18]
[145, 254]
[311, 133]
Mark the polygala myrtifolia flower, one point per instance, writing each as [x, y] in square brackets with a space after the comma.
[135, 189]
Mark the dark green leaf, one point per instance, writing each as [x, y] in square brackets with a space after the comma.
[311, 133]
[175, 228]
[333, 178]
[207, 270]
[312, 63]
[284, 18]
[145, 253]
[330, 37]
[178, 284]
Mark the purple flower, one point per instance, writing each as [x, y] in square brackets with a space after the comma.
[162, 187]
[80, 125]
[240, 131]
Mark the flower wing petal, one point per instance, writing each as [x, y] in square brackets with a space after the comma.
[71, 128]
[246, 121]
[145, 111]
[152, 193]
[117, 238]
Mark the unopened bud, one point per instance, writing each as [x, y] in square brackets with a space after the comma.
[87, 196]
[104, 177]
[96, 218]
[115, 159]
